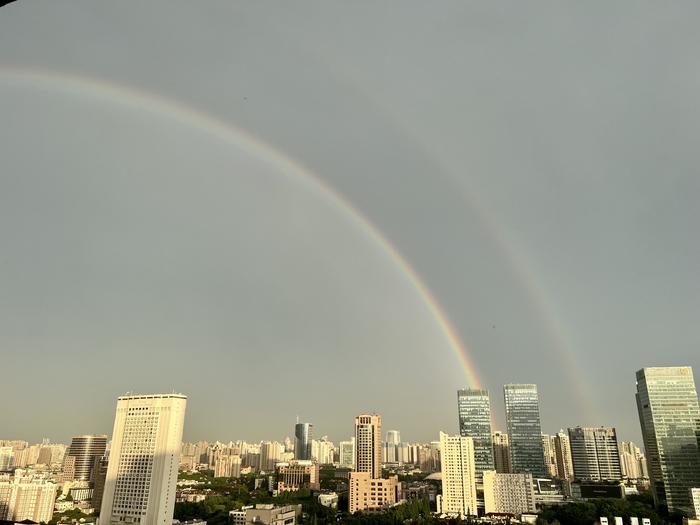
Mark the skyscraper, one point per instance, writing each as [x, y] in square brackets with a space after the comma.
[303, 435]
[595, 454]
[270, 454]
[474, 409]
[458, 476]
[87, 452]
[367, 489]
[524, 429]
[347, 453]
[632, 461]
[143, 461]
[550, 458]
[393, 437]
[390, 452]
[501, 452]
[368, 444]
[670, 419]
[562, 452]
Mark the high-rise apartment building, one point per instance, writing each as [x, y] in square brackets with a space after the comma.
[595, 454]
[270, 453]
[508, 493]
[227, 466]
[143, 460]
[632, 461]
[368, 444]
[367, 489]
[524, 429]
[7, 455]
[390, 453]
[303, 436]
[562, 453]
[550, 458]
[27, 498]
[458, 476]
[86, 452]
[501, 452]
[474, 410]
[670, 419]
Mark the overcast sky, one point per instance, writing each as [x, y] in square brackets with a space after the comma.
[535, 163]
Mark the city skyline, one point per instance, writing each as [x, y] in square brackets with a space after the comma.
[507, 198]
[317, 434]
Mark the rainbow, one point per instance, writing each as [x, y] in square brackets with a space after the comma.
[226, 132]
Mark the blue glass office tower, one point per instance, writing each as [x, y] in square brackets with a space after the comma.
[524, 429]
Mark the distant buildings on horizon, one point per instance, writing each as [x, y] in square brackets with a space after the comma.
[482, 470]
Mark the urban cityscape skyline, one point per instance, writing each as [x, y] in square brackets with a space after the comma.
[140, 474]
[338, 262]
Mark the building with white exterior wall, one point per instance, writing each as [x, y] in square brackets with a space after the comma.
[508, 493]
[458, 476]
[143, 461]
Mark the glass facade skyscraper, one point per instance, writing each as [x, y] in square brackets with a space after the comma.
[303, 435]
[524, 429]
[474, 410]
[670, 419]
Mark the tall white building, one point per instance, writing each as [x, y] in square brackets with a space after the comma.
[144, 459]
[368, 444]
[458, 476]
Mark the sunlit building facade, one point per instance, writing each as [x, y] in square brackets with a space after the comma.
[474, 410]
[670, 419]
[143, 461]
[524, 429]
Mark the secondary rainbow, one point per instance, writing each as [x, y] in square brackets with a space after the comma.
[254, 146]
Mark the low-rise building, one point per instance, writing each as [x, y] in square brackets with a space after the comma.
[328, 499]
[266, 514]
[296, 475]
[508, 493]
[368, 493]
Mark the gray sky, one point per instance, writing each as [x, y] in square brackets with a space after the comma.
[536, 163]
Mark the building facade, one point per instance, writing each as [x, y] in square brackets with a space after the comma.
[550, 457]
[501, 452]
[143, 460]
[347, 453]
[83, 456]
[508, 493]
[670, 420]
[458, 476]
[562, 453]
[369, 493]
[524, 429]
[303, 435]
[27, 498]
[474, 411]
[368, 444]
[595, 454]
[296, 475]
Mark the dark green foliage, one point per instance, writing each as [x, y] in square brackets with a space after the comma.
[590, 512]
